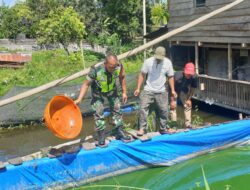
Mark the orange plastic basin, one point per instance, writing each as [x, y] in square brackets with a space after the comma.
[63, 117]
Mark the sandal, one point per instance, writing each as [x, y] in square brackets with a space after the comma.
[167, 131]
[141, 132]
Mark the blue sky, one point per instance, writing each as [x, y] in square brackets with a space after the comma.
[8, 2]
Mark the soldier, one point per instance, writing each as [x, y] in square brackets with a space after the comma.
[102, 80]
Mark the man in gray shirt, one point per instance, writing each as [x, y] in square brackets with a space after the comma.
[157, 69]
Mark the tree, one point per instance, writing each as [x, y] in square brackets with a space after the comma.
[15, 20]
[62, 26]
[125, 17]
[159, 14]
[24, 18]
[89, 12]
[3, 12]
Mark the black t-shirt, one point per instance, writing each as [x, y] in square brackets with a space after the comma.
[183, 84]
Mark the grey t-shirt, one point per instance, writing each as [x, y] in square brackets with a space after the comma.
[157, 74]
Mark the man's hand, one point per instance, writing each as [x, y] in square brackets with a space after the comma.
[172, 104]
[137, 92]
[77, 101]
[188, 103]
[124, 98]
[174, 94]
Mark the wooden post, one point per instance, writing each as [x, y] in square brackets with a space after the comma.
[83, 61]
[144, 27]
[230, 62]
[122, 56]
[197, 57]
[170, 51]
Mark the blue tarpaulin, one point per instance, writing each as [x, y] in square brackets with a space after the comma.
[89, 165]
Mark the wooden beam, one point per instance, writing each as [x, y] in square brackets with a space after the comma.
[122, 56]
[197, 57]
[230, 62]
[217, 39]
[12, 66]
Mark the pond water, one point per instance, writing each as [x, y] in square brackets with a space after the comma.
[224, 170]
[23, 140]
[228, 169]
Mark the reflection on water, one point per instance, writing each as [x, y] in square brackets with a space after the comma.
[224, 170]
[21, 141]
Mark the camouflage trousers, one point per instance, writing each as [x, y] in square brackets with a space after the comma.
[115, 107]
[160, 102]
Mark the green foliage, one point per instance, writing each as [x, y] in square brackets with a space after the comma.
[25, 16]
[15, 20]
[3, 12]
[108, 22]
[196, 119]
[124, 17]
[62, 26]
[159, 14]
[10, 24]
[133, 65]
[46, 66]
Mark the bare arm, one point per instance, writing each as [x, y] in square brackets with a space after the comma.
[83, 91]
[123, 85]
[171, 84]
[139, 83]
[123, 81]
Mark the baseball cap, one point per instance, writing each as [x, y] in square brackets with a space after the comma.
[160, 52]
[189, 68]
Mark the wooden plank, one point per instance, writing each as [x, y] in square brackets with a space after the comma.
[211, 39]
[88, 146]
[216, 34]
[133, 133]
[175, 2]
[182, 5]
[16, 57]
[11, 66]
[217, 21]
[16, 161]
[230, 62]
[203, 10]
[197, 58]
[227, 27]
[216, 2]
[230, 13]
[2, 165]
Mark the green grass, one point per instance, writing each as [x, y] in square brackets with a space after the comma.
[46, 66]
[50, 65]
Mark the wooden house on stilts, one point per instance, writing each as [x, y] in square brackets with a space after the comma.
[219, 47]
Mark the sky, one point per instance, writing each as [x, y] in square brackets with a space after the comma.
[7, 2]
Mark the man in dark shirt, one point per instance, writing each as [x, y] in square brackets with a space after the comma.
[185, 85]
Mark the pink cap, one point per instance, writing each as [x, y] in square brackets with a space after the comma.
[189, 68]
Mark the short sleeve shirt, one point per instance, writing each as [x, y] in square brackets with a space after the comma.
[183, 84]
[97, 76]
[157, 74]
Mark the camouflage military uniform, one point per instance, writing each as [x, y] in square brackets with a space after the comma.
[103, 85]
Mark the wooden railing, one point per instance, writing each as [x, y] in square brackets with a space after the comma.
[231, 94]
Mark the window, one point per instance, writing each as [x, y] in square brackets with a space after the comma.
[200, 3]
